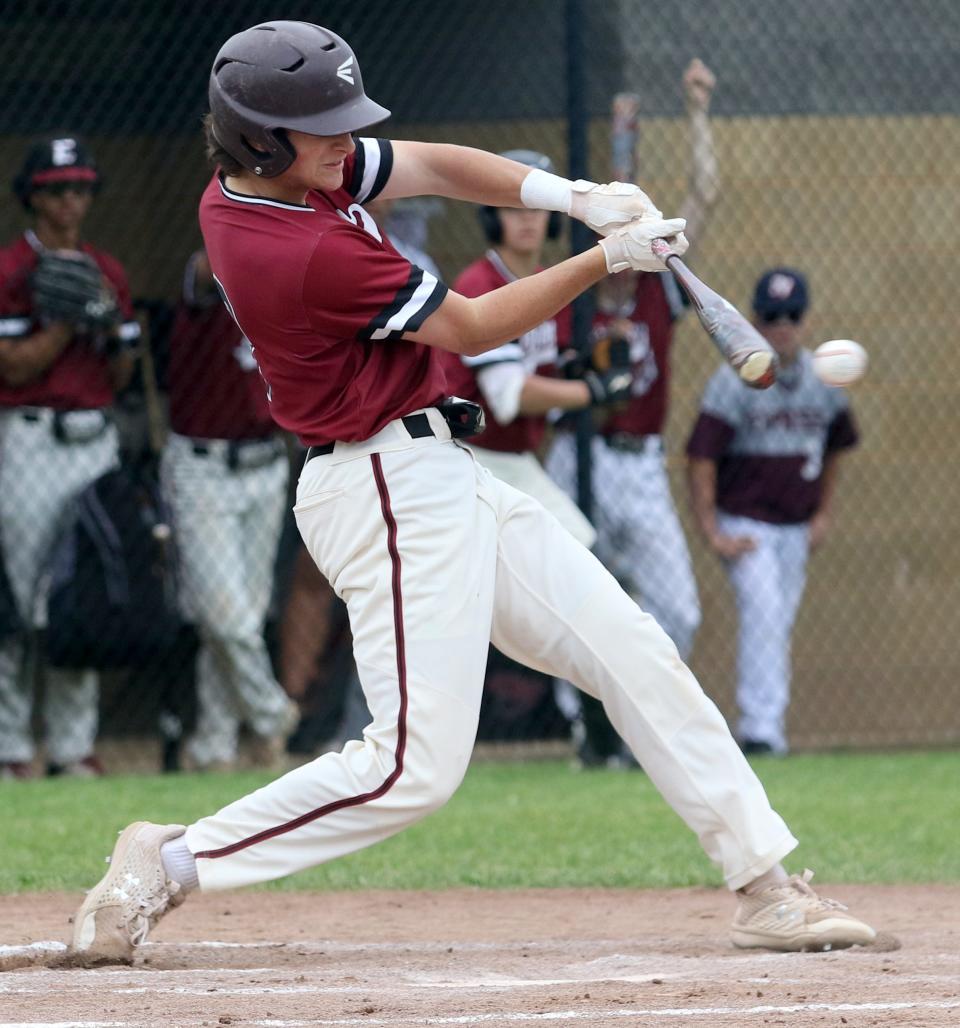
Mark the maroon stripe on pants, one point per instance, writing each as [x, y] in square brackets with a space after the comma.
[354, 801]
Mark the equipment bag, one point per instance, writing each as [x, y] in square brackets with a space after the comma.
[113, 597]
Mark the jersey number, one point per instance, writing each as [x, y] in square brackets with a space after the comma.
[359, 217]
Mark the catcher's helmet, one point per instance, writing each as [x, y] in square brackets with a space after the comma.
[285, 75]
[53, 160]
[490, 220]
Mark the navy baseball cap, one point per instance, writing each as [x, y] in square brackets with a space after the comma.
[781, 292]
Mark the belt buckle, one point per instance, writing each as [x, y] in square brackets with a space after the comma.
[79, 426]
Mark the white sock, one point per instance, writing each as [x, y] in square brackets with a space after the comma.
[777, 875]
[179, 864]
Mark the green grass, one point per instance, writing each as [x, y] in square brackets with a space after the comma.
[892, 817]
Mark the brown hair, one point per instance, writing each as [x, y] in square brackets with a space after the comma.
[216, 154]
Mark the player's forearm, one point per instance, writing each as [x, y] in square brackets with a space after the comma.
[541, 395]
[704, 176]
[828, 483]
[456, 172]
[506, 313]
[120, 370]
[702, 482]
[23, 361]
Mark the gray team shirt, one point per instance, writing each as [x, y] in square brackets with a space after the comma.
[770, 444]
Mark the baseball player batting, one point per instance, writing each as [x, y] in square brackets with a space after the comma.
[434, 557]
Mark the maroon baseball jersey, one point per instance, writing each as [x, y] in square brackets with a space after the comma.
[79, 378]
[656, 307]
[770, 444]
[325, 300]
[216, 391]
[535, 350]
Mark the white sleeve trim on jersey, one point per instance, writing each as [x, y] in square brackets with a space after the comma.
[508, 352]
[410, 308]
[372, 167]
[501, 385]
[12, 327]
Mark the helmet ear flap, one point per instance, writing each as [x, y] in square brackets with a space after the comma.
[490, 223]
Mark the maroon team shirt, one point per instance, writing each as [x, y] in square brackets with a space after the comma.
[657, 305]
[325, 299]
[216, 391]
[536, 350]
[79, 378]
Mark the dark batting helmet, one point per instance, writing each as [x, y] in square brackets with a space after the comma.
[285, 75]
[490, 219]
[54, 161]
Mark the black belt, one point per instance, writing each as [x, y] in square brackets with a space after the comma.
[418, 425]
[65, 426]
[627, 442]
[264, 449]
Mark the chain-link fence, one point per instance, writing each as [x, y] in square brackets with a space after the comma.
[815, 136]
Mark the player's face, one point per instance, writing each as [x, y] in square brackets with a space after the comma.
[63, 206]
[523, 231]
[319, 163]
[784, 334]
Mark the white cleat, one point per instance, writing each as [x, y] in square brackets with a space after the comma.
[791, 916]
[131, 897]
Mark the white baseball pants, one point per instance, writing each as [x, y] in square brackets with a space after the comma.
[434, 557]
[768, 584]
[39, 476]
[524, 472]
[227, 530]
[639, 536]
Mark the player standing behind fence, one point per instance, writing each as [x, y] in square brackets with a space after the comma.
[434, 556]
[516, 383]
[639, 536]
[66, 327]
[763, 473]
[225, 474]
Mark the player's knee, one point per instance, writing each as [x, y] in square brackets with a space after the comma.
[433, 772]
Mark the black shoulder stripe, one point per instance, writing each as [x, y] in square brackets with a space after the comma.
[429, 306]
[359, 160]
[402, 297]
[386, 167]
[413, 303]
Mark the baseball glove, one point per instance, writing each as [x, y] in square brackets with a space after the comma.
[607, 372]
[68, 286]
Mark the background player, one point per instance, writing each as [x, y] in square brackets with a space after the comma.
[225, 476]
[61, 362]
[763, 473]
[516, 384]
[639, 535]
[433, 555]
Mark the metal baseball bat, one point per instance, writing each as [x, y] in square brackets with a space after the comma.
[741, 345]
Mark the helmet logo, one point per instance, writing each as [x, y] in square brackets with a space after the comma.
[63, 151]
[345, 70]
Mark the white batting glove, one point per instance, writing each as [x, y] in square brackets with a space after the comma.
[605, 208]
[628, 247]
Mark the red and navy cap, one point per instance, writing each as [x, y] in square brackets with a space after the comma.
[781, 291]
[52, 160]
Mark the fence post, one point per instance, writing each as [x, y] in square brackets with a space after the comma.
[578, 149]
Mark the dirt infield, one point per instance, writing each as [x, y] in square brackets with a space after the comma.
[560, 957]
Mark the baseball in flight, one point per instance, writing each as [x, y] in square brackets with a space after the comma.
[840, 362]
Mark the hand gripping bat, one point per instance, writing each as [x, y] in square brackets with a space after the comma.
[741, 345]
